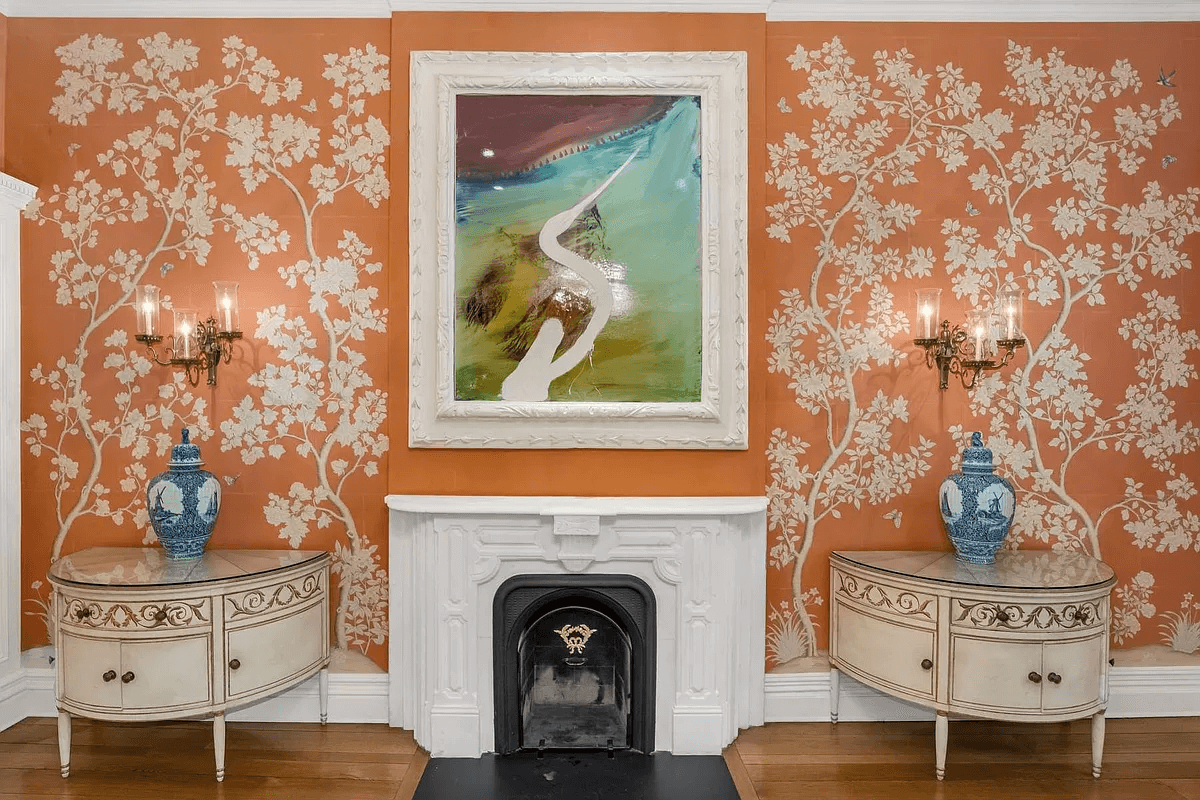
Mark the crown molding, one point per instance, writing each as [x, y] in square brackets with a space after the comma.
[984, 11]
[775, 10]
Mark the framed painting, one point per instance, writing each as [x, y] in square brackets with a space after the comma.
[577, 250]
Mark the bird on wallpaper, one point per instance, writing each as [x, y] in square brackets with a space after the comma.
[1164, 79]
[971, 209]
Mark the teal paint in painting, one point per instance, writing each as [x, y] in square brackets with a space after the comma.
[644, 232]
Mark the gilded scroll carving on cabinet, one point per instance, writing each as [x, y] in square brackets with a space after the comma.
[1015, 617]
[575, 637]
[119, 616]
[897, 601]
[281, 596]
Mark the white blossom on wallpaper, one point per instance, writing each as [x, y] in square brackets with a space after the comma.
[317, 399]
[1045, 415]
[835, 200]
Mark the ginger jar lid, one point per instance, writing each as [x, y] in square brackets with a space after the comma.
[185, 454]
[977, 458]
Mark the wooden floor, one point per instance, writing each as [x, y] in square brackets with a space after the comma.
[1144, 759]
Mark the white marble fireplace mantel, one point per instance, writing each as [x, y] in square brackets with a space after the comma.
[704, 557]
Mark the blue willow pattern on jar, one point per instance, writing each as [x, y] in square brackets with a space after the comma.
[977, 505]
[183, 502]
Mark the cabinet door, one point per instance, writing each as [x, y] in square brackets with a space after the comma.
[83, 665]
[1071, 674]
[266, 654]
[165, 674]
[993, 674]
[885, 652]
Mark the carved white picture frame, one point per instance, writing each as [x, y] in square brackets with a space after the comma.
[719, 419]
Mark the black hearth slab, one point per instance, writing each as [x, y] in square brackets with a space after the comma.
[579, 775]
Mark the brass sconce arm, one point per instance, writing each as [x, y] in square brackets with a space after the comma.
[212, 346]
[950, 353]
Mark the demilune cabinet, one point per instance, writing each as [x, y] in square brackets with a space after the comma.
[1024, 639]
[139, 637]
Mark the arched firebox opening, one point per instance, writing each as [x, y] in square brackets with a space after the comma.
[573, 663]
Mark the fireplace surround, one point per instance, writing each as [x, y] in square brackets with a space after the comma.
[703, 559]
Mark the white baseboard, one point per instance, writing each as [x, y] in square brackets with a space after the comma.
[1132, 692]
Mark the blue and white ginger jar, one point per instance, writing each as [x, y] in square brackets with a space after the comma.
[977, 505]
[183, 502]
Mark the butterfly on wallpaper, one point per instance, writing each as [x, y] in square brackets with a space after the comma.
[165, 268]
[310, 106]
[1168, 160]
[894, 515]
[71, 148]
[230, 480]
[971, 209]
[1164, 79]
[783, 106]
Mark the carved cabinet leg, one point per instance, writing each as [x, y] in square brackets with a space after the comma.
[833, 694]
[941, 732]
[1097, 742]
[324, 681]
[219, 745]
[64, 742]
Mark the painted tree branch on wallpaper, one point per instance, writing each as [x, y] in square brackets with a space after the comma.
[1054, 147]
[318, 401]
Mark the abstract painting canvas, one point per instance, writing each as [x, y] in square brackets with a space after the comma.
[587, 290]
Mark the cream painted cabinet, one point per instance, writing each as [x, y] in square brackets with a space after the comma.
[1025, 639]
[140, 637]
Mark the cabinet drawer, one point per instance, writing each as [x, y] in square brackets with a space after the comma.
[1005, 616]
[278, 598]
[133, 614]
[1078, 667]
[884, 652]
[884, 600]
[994, 675]
[151, 674]
[168, 674]
[267, 654]
[83, 664]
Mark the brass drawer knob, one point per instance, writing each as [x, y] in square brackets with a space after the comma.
[160, 615]
[127, 677]
[109, 676]
[1054, 677]
[926, 664]
[235, 664]
[1033, 676]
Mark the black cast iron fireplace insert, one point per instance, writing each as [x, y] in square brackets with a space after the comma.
[573, 660]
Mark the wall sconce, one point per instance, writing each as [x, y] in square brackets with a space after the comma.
[194, 345]
[967, 350]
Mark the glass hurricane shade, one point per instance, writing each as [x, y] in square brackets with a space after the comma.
[927, 313]
[186, 341]
[981, 335]
[1011, 314]
[226, 293]
[146, 306]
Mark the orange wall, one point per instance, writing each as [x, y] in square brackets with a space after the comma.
[886, 508]
[574, 472]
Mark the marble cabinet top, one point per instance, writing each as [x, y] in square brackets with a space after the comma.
[149, 566]
[1014, 569]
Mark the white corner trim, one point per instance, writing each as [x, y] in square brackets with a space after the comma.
[353, 697]
[984, 11]
[1132, 692]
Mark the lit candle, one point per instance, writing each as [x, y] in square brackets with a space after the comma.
[185, 339]
[148, 318]
[1012, 327]
[227, 312]
[927, 321]
[979, 343]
